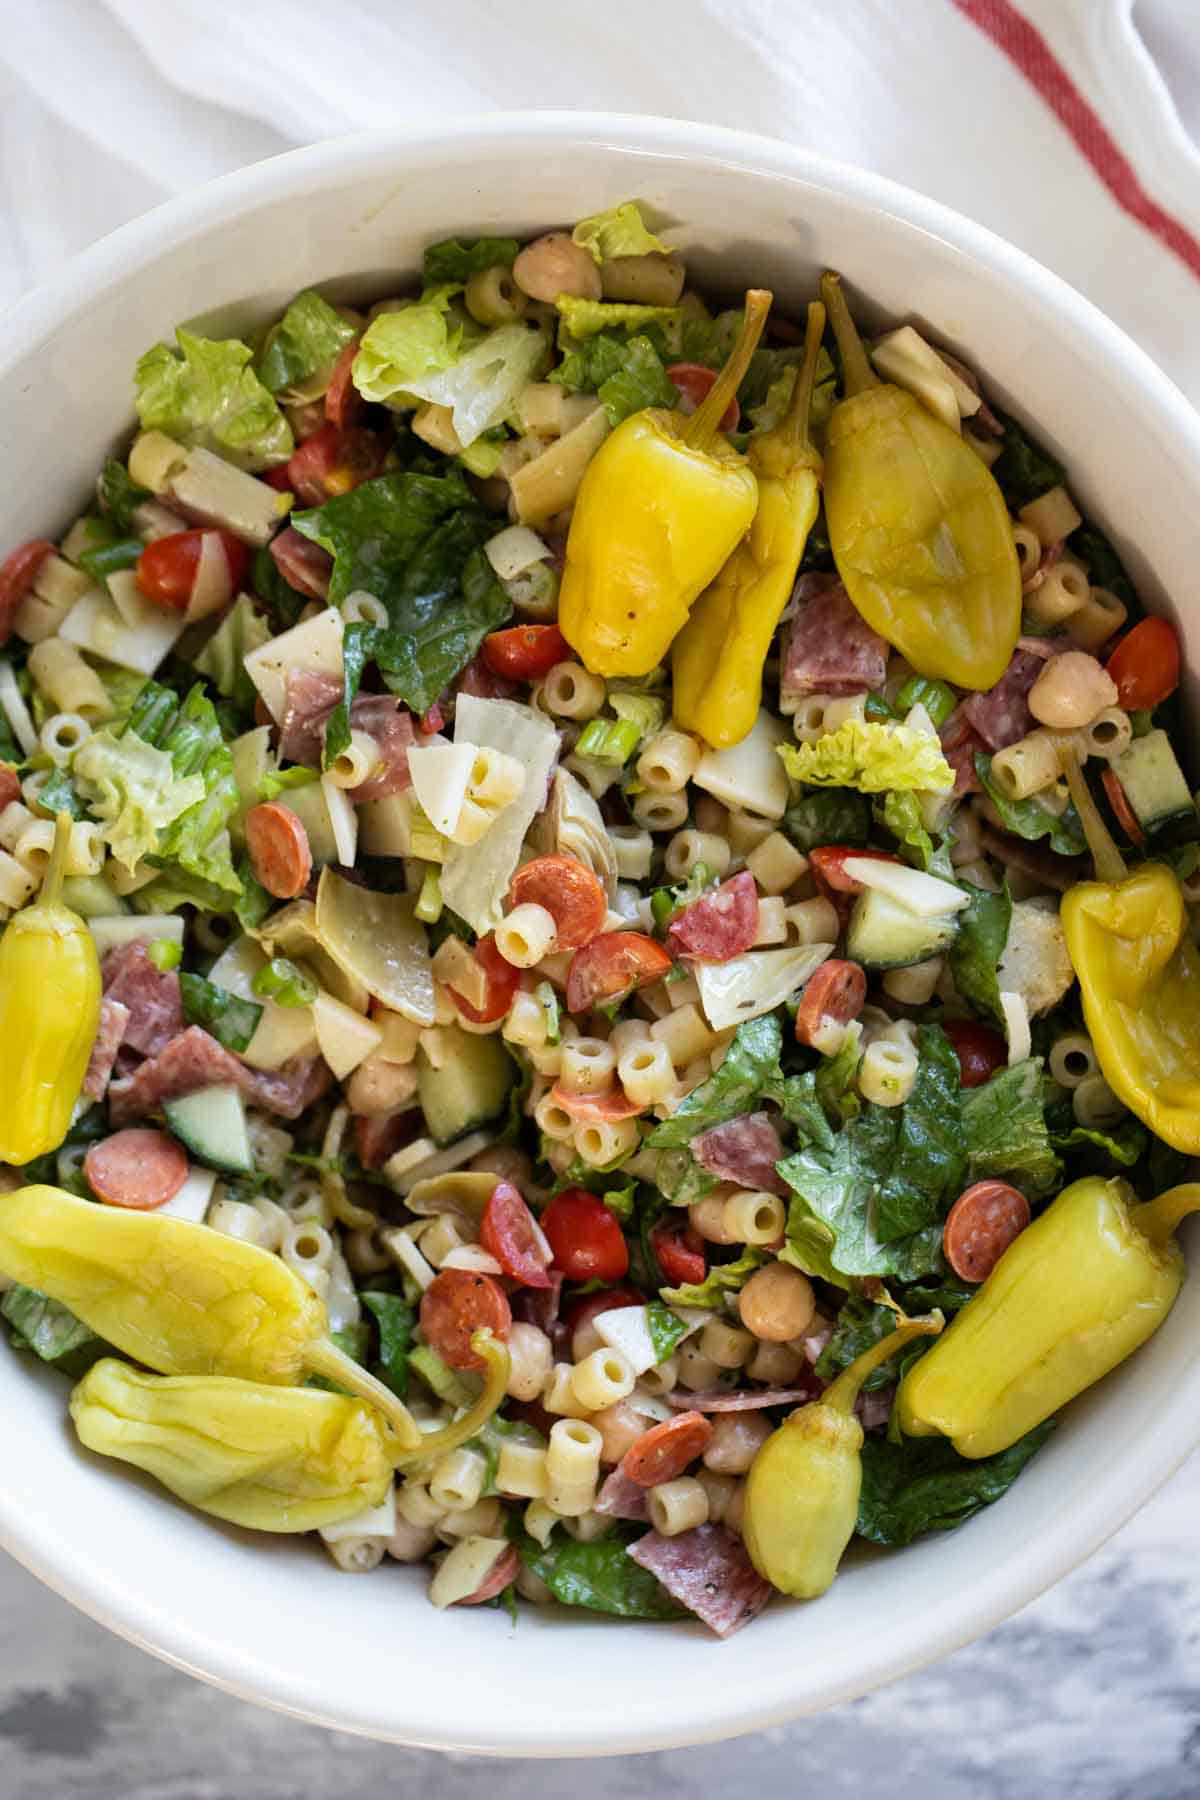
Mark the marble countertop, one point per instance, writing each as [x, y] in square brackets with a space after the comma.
[1091, 1693]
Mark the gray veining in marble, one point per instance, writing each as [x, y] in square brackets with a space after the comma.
[1092, 1693]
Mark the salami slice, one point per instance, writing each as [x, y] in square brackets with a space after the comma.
[827, 645]
[719, 925]
[194, 1060]
[378, 1138]
[150, 995]
[1002, 715]
[10, 784]
[303, 565]
[309, 698]
[621, 1498]
[382, 717]
[110, 1034]
[744, 1150]
[980, 1226]
[720, 1400]
[709, 1571]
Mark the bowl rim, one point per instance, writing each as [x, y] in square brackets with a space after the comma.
[1003, 1589]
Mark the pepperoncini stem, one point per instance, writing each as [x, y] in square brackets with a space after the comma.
[1160, 1218]
[1110, 864]
[700, 430]
[52, 880]
[857, 373]
[794, 426]
[842, 1394]
[324, 1358]
[495, 1386]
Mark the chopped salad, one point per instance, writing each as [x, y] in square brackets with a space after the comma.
[597, 990]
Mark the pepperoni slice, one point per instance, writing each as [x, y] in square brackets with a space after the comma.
[1126, 818]
[502, 1573]
[981, 1225]
[596, 1109]
[502, 983]
[343, 402]
[303, 565]
[836, 994]
[279, 849]
[679, 1251]
[457, 1303]
[666, 1450]
[139, 1169]
[980, 1050]
[17, 573]
[570, 893]
[719, 925]
[611, 966]
[508, 1233]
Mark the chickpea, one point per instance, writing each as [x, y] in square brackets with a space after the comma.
[1070, 691]
[554, 265]
[735, 1509]
[377, 1087]
[777, 1303]
[776, 1364]
[736, 1440]
[620, 1426]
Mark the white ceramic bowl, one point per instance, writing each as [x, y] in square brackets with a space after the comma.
[272, 1620]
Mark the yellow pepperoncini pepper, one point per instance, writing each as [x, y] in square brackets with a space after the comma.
[717, 660]
[803, 1487]
[49, 1011]
[663, 502]
[185, 1300]
[918, 526]
[269, 1458]
[1075, 1294]
[1139, 977]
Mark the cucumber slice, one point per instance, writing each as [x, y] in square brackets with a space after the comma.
[212, 1125]
[1156, 788]
[471, 1087]
[885, 935]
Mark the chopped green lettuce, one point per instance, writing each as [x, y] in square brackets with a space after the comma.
[133, 790]
[1023, 469]
[197, 840]
[405, 347]
[231, 1021]
[416, 543]
[860, 1324]
[1124, 1145]
[1029, 818]
[52, 1332]
[621, 231]
[451, 264]
[722, 1280]
[583, 318]
[626, 372]
[923, 1484]
[597, 1575]
[305, 344]
[1004, 1130]
[208, 395]
[750, 1062]
[976, 951]
[119, 494]
[223, 658]
[872, 757]
[901, 815]
[396, 1322]
[420, 353]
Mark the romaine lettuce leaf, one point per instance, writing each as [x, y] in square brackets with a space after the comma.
[978, 947]
[396, 1321]
[621, 231]
[627, 373]
[198, 839]
[598, 1575]
[418, 353]
[583, 318]
[52, 1332]
[231, 1021]
[901, 815]
[1023, 469]
[722, 1280]
[404, 347]
[209, 395]
[872, 757]
[859, 1325]
[1004, 1130]
[750, 1061]
[923, 1484]
[306, 343]
[416, 543]
[1029, 818]
[1124, 1145]
[451, 264]
[133, 790]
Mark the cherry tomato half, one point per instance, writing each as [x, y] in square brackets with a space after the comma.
[508, 1233]
[679, 1251]
[980, 1050]
[585, 1237]
[525, 652]
[502, 983]
[829, 866]
[333, 461]
[694, 381]
[613, 965]
[570, 893]
[166, 569]
[835, 994]
[343, 402]
[1145, 665]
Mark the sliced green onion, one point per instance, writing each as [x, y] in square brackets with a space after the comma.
[879, 709]
[282, 981]
[107, 559]
[547, 999]
[165, 955]
[610, 741]
[429, 901]
[938, 699]
[646, 711]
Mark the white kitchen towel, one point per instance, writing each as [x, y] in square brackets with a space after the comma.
[1062, 124]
